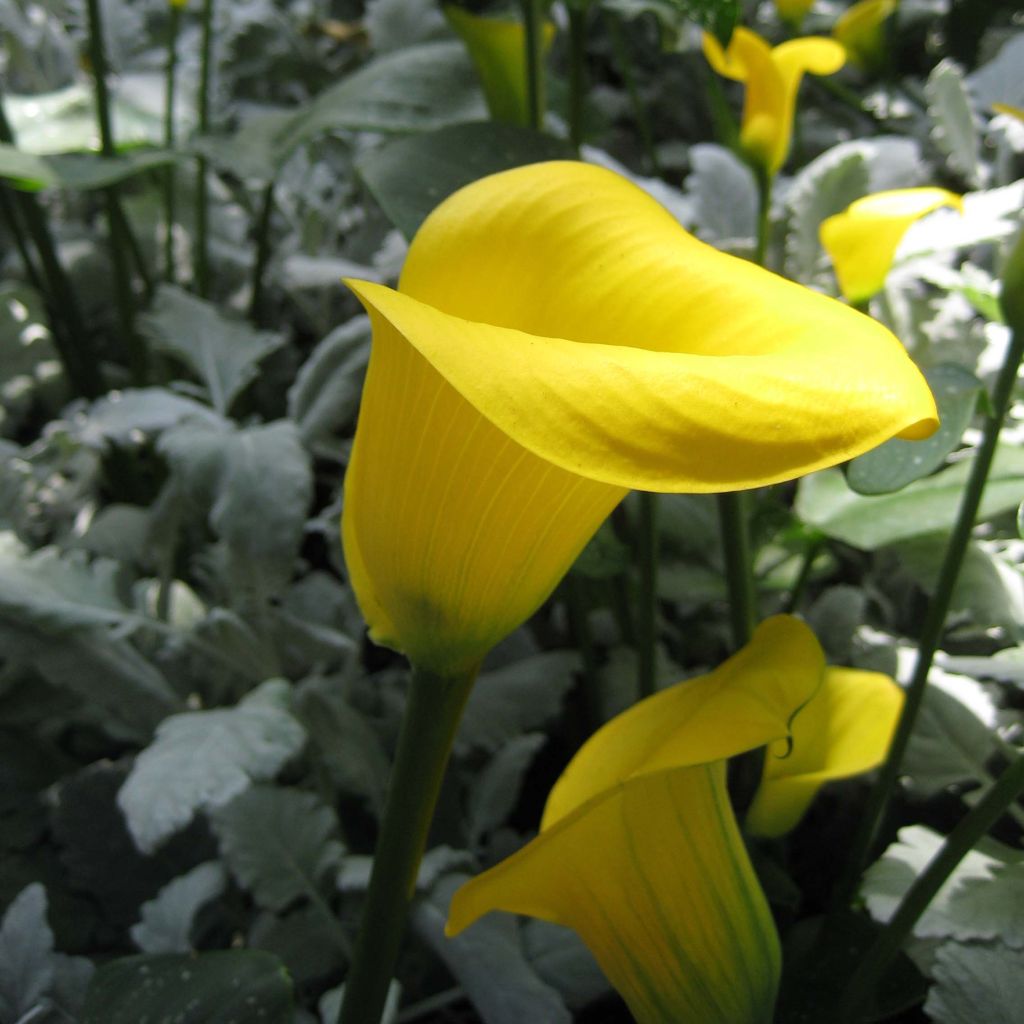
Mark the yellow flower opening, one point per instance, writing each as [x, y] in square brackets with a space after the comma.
[772, 77]
[863, 239]
[1006, 108]
[861, 31]
[844, 730]
[497, 47]
[639, 851]
[557, 338]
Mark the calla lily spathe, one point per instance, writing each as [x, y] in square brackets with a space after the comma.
[772, 77]
[863, 239]
[497, 47]
[557, 338]
[639, 851]
[861, 31]
[844, 730]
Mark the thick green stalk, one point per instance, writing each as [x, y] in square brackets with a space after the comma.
[625, 69]
[262, 252]
[733, 516]
[577, 72]
[120, 243]
[10, 215]
[533, 23]
[202, 253]
[938, 607]
[971, 829]
[170, 93]
[764, 211]
[428, 730]
[803, 577]
[647, 611]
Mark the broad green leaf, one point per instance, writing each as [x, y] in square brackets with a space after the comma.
[122, 416]
[497, 786]
[949, 915]
[724, 195]
[826, 186]
[975, 983]
[999, 80]
[953, 738]
[954, 128]
[488, 962]
[305, 942]
[410, 176]
[255, 152]
[37, 983]
[25, 170]
[165, 922]
[280, 844]
[926, 506]
[835, 618]
[76, 171]
[205, 988]
[223, 352]
[397, 24]
[896, 463]
[254, 485]
[203, 759]
[510, 701]
[560, 958]
[412, 90]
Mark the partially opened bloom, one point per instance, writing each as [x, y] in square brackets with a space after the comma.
[639, 851]
[557, 338]
[861, 30]
[772, 77]
[863, 239]
[497, 47]
[844, 730]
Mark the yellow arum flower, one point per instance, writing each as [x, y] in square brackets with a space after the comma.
[793, 11]
[772, 77]
[497, 47]
[863, 239]
[861, 31]
[557, 338]
[639, 851]
[844, 730]
[1006, 108]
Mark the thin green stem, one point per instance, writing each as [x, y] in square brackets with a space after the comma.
[10, 215]
[170, 93]
[804, 575]
[971, 828]
[647, 610]
[577, 608]
[739, 570]
[935, 619]
[202, 254]
[69, 335]
[533, 23]
[120, 236]
[764, 213]
[642, 121]
[577, 73]
[262, 252]
[428, 730]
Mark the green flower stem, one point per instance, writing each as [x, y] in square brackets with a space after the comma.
[971, 828]
[577, 608]
[733, 519]
[10, 215]
[202, 253]
[764, 212]
[577, 72]
[262, 252]
[428, 730]
[170, 92]
[811, 552]
[647, 607]
[625, 68]
[120, 240]
[533, 22]
[938, 608]
[69, 334]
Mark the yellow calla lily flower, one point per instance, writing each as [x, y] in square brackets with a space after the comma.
[860, 30]
[793, 11]
[639, 851]
[863, 239]
[557, 338]
[772, 76]
[844, 730]
[1006, 108]
[497, 47]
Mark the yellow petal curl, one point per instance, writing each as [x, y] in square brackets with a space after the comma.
[863, 239]
[772, 77]
[639, 851]
[860, 31]
[844, 730]
[498, 50]
[558, 338]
